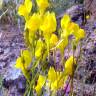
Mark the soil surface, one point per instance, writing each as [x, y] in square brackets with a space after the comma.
[11, 42]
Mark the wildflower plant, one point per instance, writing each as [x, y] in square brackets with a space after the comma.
[41, 40]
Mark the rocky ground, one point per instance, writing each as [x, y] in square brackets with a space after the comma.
[11, 42]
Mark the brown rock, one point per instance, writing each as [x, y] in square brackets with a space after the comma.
[90, 7]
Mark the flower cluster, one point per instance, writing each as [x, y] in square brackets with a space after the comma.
[56, 79]
[40, 38]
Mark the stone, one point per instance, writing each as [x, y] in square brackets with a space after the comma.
[21, 84]
[12, 73]
[2, 65]
[1, 51]
[90, 7]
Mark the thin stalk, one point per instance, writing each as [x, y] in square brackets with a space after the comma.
[71, 93]
[67, 86]
[62, 58]
[29, 89]
[48, 49]
[54, 51]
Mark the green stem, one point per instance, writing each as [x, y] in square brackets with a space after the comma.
[71, 93]
[54, 51]
[48, 49]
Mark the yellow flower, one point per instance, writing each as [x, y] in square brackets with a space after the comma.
[62, 44]
[54, 85]
[54, 79]
[34, 22]
[30, 37]
[40, 83]
[59, 81]
[65, 21]
[53, 40]
[88, 16]
[19, 63]
[49, 23]
[42, 4]
[76, 28]
[25, 9]
[51, 74]
[81, 34]
[65, 33]
[39, 48]
[69, 65]
[38, 89]
[65, 25]
[24, 60]
[72, 27]
[38, 53]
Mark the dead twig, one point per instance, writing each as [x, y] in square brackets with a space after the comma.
[4, 13]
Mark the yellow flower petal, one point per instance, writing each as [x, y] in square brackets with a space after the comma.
[22, 10]
[28, 4]
[72, 27]
[62, 44]
[53, 40]
[24, 60]
[34, 22]
[27, 58]
[88, 16]
[38, 89]
[69, 65]
[49, 24]
[54, 85]
[65, 21]
[39, 48]
[19, 63]
[40, 83]
[55, 79]
[25, 9]
[76, 28]
[41, 80]
[81, 34]
[65, 33]
[51, 74]
[42, 4]
[38, 52]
